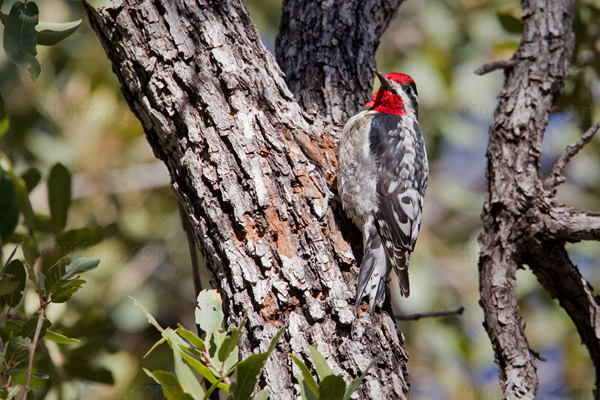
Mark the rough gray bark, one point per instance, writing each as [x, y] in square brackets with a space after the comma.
[523, 222]
[244, 160]
[326, 50]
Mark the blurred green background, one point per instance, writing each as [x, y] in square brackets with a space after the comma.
[75, 114]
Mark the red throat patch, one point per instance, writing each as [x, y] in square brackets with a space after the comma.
[387, 103]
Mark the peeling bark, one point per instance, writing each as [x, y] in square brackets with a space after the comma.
[245, 162]
[523, 222]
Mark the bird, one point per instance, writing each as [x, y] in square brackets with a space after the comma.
[382, 177]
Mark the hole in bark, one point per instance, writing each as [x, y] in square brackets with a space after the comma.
[269, 311]
[239, 231]
[264, 152]
[320, 295]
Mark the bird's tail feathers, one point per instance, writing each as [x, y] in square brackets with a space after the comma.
[373, 273]
[399, 259]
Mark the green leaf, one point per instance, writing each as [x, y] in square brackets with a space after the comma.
[83, 369]
[17, 270]
[67, 290]
[151, 319]
[59, 196]
[43, 223]
[50, 33]
[212, 388]
[30, 250]
[320, 363]
[31, 177]
[161, 341]
[248, 372]
[4, 125]
[309, 380]
[9, 206]
[332, 387]
[511, 23]
[11, 393]
[60, 339]
[170, 385]
[191, 338]
[203, 370]
[23, 200]
[216, 342]
[20, 37]
[17, 350]
[79, 266]
[28, 330]
[186, 377]
[230, 342]
[305, 391]
[79, 238]
[8, 285]
[209, 313]
[356, 383]
[55, 274]
[262, 395]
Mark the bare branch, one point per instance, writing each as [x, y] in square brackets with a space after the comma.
[535, 77]
[556, 176]
[564, 223]
[502, 64]
[418, 316]
[553, 268]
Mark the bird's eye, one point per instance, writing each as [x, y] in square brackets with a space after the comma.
[411, 87]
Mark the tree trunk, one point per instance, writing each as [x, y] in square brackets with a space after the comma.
[247, 164]
[523, 222]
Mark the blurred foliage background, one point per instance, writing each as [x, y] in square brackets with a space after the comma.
[74, 114]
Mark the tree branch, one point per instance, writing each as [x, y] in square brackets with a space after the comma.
[565, 224]
[33, 345]
[417, 316]
[556, 175]
[501, 64]
[511, 212]
[553, 268]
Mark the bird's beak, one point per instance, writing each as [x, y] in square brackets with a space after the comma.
[385, 83]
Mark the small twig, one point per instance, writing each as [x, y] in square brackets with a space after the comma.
[502, 64]
[209, 362]
[189, 232]
[537, 355]
[556, 175]
[33, 345]
[418, 316]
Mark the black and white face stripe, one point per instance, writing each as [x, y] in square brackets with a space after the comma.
[410, 89]
[408, 92]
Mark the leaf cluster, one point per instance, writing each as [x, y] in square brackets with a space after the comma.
[329, 386]
[213, 356]
[23, 32]
[57, 285]
[52, 274]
